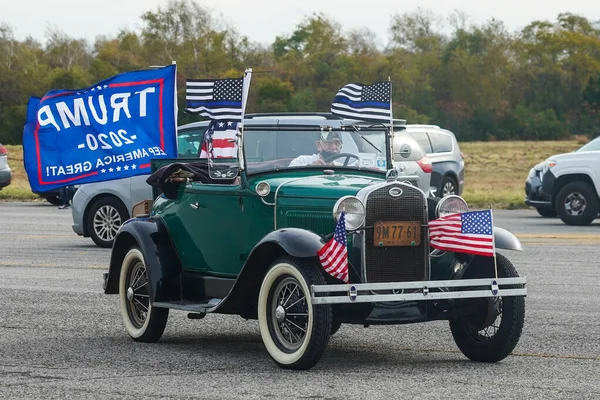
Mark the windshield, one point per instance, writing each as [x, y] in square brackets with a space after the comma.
[594, 145]
[272, 149]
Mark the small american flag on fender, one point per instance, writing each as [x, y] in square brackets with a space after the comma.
[334, 254]
[471, 232]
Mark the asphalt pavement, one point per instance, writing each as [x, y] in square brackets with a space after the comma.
[61, 337]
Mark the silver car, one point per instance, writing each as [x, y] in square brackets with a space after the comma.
[441, 147]
[410, 160]
[99, 208]
[5, 172]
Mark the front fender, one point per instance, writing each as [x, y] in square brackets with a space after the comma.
[506, 240]
[243, 297]
[296, 242]
[162, 262]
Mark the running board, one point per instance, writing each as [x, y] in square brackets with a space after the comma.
[188, 306]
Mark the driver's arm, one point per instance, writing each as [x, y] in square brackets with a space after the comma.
[303, 160]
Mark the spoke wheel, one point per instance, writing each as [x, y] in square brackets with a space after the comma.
[492, 332]
[143, 322]
[138, 296]
[294, 331]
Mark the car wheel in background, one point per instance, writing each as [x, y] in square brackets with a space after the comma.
[546, 213]
[448, 187]
[577, 204]
[54, 200]
[106, 215]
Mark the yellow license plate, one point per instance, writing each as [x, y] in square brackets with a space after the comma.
[390, 233]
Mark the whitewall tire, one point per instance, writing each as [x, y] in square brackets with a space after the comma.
[143, 322]
[294, 331]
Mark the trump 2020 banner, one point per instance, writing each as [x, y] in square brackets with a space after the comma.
[108, 131]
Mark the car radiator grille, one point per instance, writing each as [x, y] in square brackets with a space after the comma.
[396, 263]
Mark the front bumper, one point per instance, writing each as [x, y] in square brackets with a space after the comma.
[419, 291]
[534, 196]
[5, 177]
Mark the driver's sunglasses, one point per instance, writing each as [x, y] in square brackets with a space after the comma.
[335, 142]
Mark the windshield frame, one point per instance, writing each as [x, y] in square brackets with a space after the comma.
[376, 127]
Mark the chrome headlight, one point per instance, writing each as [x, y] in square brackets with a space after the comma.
[451, 205]
[355, 211]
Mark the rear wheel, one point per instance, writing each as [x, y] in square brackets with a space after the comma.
[493, 331]
[449, 186]
[577, 204]
[54, 200]
[294, 331]
[143, 322]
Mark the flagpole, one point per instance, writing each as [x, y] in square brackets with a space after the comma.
[494, 244]
[176, 109]
[245, 90]
[391, 110]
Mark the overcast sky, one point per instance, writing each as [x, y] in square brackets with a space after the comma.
[262, 20]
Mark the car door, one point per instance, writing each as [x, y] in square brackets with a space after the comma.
[210, 228]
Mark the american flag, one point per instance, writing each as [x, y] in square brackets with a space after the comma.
[220, 140]
[217, 99]
[334, 254]
[471, 232]
[364, 102]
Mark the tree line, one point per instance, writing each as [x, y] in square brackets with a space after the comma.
[481, 81]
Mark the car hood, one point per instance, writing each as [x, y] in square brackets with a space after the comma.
[578, 155]
[321, 186]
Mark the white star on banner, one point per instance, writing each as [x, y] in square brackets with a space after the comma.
[118, 169]
[133, 166]
[221, 124]
[126, 167]
[110, 170]
[229, 123]
[103, 170]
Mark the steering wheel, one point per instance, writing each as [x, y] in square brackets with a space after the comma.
[340, 155]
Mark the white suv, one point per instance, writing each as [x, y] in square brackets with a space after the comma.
[571, 182]
[441, 147]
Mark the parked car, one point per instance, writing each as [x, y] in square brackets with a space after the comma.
[410, 159]
[441, 147]
[533, 197]
[571, 182]
[5, 172]
[242, 236]
[100, 208]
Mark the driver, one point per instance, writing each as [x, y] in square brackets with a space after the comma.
[328, 144]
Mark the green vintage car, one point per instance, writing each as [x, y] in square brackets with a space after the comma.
[241, 236]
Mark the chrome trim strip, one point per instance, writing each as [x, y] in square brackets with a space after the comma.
[474, 294]
[424, 293]
[521, 280]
